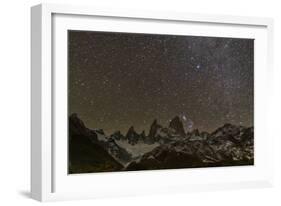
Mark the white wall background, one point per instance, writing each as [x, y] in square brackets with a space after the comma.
[15, 102]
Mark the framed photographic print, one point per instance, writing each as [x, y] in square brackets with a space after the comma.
[134, 102]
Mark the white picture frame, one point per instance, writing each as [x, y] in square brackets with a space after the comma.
[49, 179]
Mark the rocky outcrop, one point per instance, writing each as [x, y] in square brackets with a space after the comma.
[154, 129]
[177, 126]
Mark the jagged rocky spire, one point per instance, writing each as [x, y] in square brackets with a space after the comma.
[153, 128]
[177, 125]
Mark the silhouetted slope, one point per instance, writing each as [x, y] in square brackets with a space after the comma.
[85, 153]
[85, 156]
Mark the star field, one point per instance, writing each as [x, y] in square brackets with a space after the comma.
[118, 80]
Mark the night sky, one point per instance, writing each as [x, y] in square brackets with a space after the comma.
[118, 80]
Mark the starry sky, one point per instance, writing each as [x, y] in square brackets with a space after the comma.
[118, 80]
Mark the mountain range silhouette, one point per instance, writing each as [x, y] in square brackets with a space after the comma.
[91, 150]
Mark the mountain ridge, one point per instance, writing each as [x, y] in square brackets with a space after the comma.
[163, 147]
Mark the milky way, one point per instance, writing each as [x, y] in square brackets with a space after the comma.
[118, 80]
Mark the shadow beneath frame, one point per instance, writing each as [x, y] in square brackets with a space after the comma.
[25, 193]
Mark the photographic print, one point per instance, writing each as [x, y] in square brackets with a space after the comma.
[151, 101]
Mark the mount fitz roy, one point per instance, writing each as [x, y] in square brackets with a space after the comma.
[91, 150]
